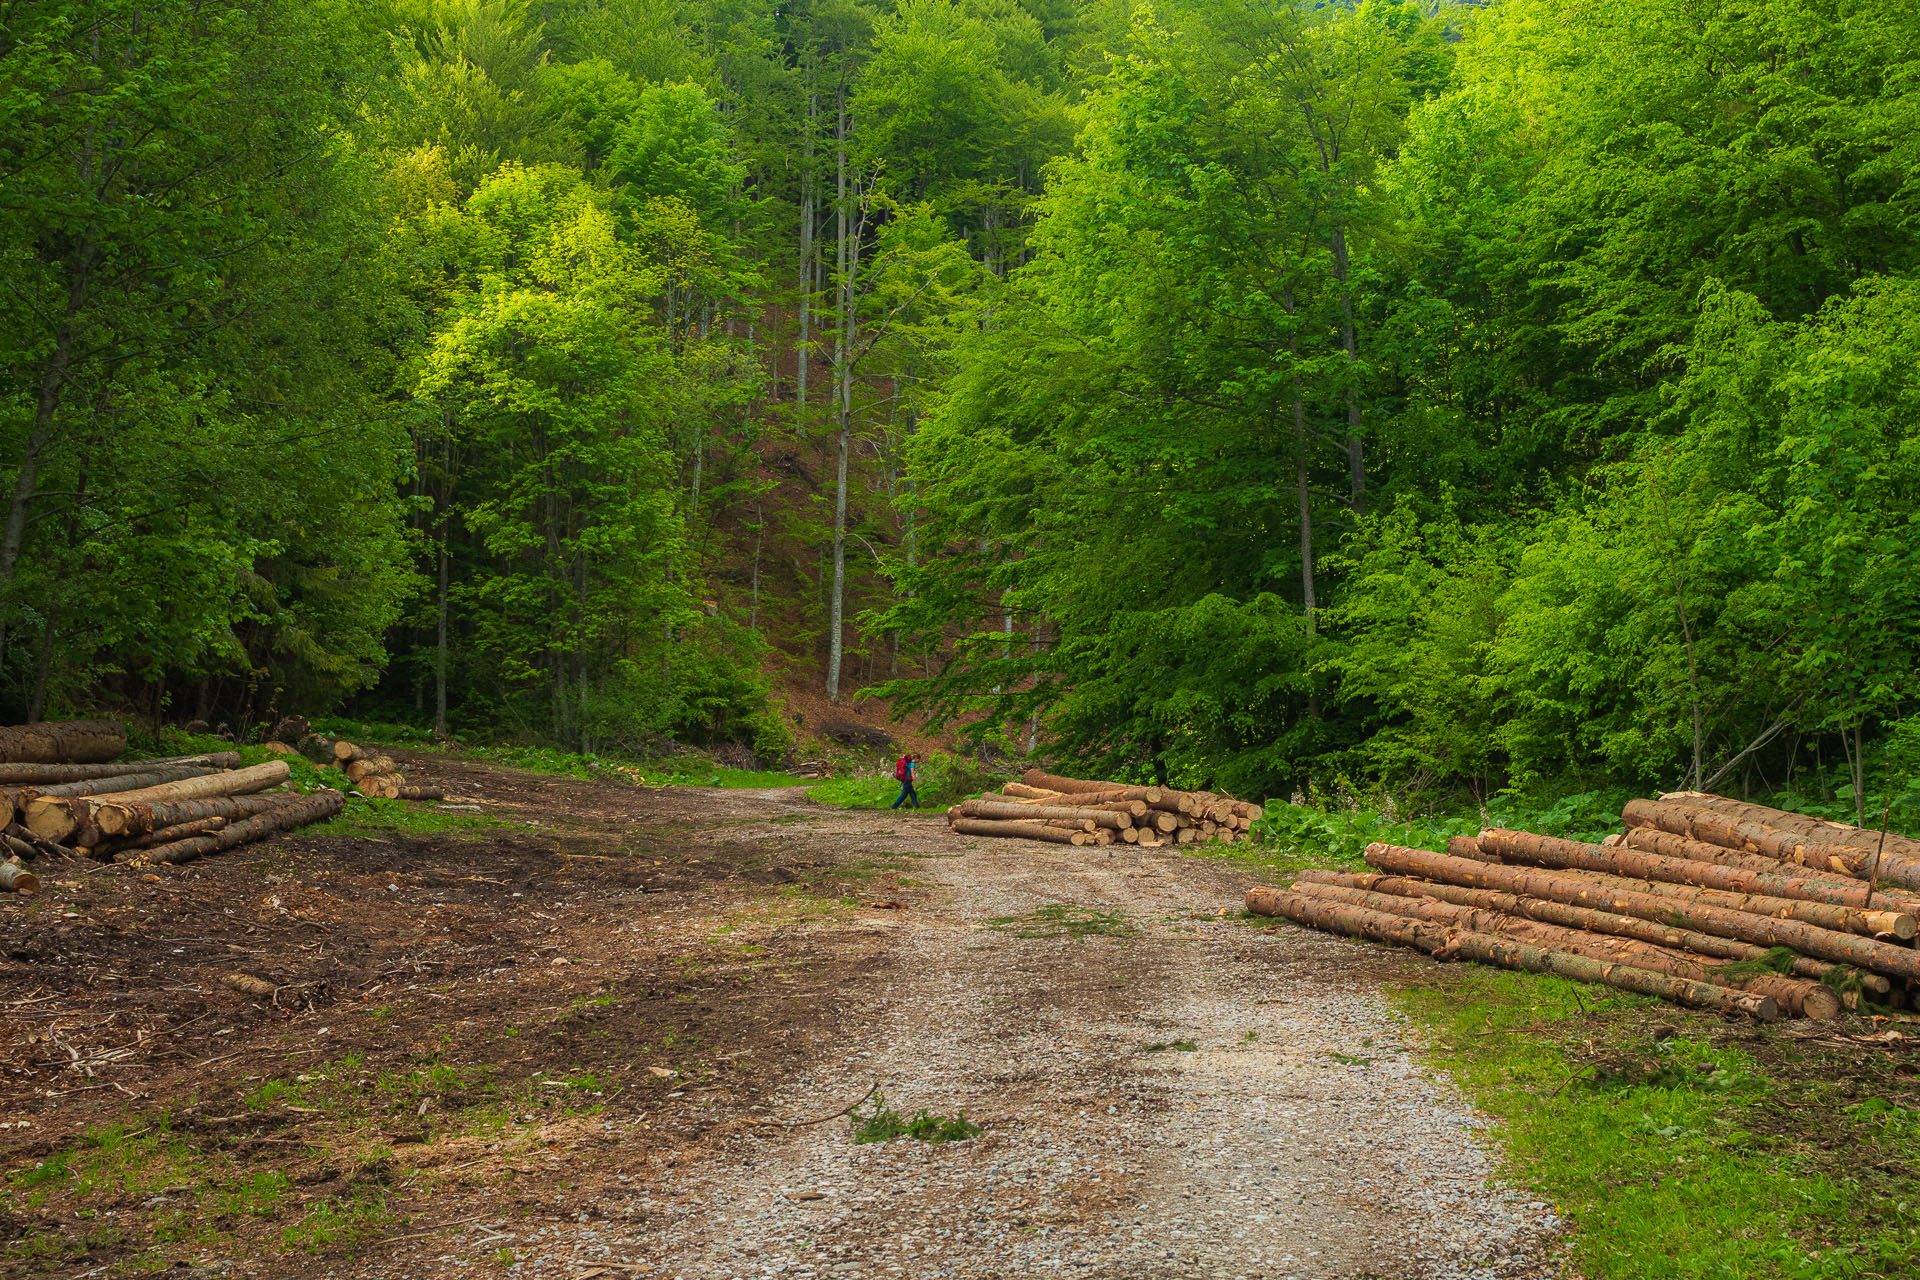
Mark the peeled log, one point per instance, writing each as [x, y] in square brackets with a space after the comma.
[1699, 823]
[1588, 918]
[294, 811]
[1818, 829]
[984, 808]
[1026, 792]
[1546, 851]
[1035, 830]
[1055, 782]
[117, 817]
[236, 782]
[1800, 997]
[63, 742]
[1505, 952]
[1579, 891]
[35, 775]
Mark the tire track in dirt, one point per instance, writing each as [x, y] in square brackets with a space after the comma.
[1170, 1095]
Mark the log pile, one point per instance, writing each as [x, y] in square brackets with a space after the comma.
[63, 795]
[1060, 810]
[1706, 901]
[369, 773]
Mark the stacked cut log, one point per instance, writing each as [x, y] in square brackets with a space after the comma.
[377, 776]
[1704, 900]
[1061, 810]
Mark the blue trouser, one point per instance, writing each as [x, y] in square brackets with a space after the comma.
[907, 793]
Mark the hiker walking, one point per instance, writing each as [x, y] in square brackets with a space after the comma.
[903, 774]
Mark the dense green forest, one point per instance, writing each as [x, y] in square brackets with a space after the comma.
[1286, 396]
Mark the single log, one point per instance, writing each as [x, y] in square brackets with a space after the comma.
[237, 782]
[1465, 847]
[1817, 829]
[116, 817]
[1164, 823]
[295, 811]
[15, 878]
[126, 848]
[41, 846]
[1131, 835]
[1064, 824]
[1588, 918]
[1765, 931]
[422, 793]
[1055, 782]
[344, 751]
[277, 748]
[1010, 809]
[1025, 792]
[1799, 997]
[1700, 823]
[40, 775]
[63, 742]
[1021, 830]
[1665, 843]
[1546, 851]
[1505, 952]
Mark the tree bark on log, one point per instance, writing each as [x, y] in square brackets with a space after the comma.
[116, 817]
[1765, 931]
[1817, 829]
[984, 808]
[1054, 782]
[1871, 923]
[296, 811]
[1588, 918]
[15, 878]
[422, 793]
[236, 782]
[1546, 851]
[1799, 997]
[59, 812]
[1699, 823]
[126, 848]
[35, 775]
[1021, 830]
[1447, 944]
[1026, 792]
[63, 742]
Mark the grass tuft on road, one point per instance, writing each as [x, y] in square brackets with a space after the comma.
[1681, 1146]
[883, 1124]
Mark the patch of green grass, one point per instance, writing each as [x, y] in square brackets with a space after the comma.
[340, 1219]
[362, 815]
[1176, 1046]
[1693, 1155]
[883, 1124]
[1063, 920]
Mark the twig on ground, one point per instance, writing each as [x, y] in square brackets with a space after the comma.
[802, 1124]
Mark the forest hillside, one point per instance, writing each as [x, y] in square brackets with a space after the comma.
[1285, 398]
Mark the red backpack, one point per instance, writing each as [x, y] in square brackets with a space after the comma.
[900, 769]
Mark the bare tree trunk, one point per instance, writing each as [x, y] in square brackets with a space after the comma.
[1356, 460]
[843, 396]
[759, 533]
[53, 381]
[806, 273]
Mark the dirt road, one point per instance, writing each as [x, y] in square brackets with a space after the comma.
[625, 997]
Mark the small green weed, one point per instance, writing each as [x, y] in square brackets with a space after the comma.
[883, 1124]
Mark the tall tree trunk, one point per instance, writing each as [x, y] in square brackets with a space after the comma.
[444, 557]
[1356, 459]
[843, 398]
[806, 273]
[53, 381]
[759, 534]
